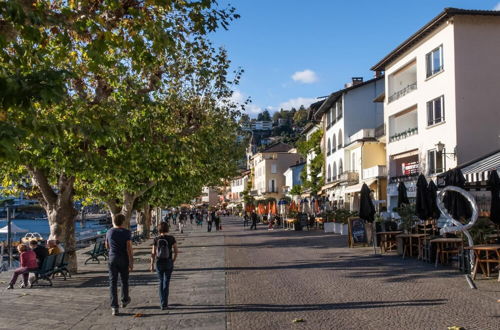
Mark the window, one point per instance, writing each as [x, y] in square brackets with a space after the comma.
[435, 111]
[273, 169]
[334, 174]
[339, 109]
[341, 168]
[328, 151]
[435, 161]
[340, 139]
[329, 176]
[328, 119]
[434, 61]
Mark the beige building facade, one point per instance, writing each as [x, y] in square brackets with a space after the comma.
[268, 170]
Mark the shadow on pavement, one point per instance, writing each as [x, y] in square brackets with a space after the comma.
[197, 309]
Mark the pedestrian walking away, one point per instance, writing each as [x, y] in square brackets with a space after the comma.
[210, 219]
[245, 220]
[254, 218]
[163, 259]
[120, 262]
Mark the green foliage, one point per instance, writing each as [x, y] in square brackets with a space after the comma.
[300, 117]
[296, 190]
[314, 181]
[264, 116]
[408, 217]
[121, 96]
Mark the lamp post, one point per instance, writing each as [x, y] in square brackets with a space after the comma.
[440, 148]
[9, 236]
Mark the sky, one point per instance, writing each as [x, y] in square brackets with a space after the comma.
[294, 51]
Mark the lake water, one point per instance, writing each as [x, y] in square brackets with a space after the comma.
[42, 227]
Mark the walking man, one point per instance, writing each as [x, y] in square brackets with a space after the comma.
[254, 220]
[121, 261]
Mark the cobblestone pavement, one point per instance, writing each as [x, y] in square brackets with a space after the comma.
[242, 279]
[197, 296]
[276, 276]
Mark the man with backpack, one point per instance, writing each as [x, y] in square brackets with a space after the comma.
[162, 254]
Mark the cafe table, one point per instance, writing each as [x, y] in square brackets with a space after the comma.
[408, 243]
[319, 222]
[387, 240]
[289, 223]
[445, 246]
[485, 254]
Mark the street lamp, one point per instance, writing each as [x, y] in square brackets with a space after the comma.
[440, 148]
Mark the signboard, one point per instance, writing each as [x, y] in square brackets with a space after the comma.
[409, 168]
[357, 232]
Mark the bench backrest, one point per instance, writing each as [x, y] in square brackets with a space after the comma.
[48, 263]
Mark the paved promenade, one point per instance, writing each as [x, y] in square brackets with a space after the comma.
[242, 279]
[83, 301]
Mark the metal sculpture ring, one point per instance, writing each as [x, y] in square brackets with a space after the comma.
[455, 224]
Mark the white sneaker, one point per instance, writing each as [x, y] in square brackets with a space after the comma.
[114, 311]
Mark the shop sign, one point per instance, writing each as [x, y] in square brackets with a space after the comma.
[409, 168]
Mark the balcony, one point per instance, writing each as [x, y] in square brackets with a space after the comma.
[349, 177]
[404, 134]
[380, 131]
[402, 92]
[375, 172]
[404, 178]
[403, 81]
[361, 134]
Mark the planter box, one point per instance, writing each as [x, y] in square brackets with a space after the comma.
[329, 227]
[344, 229]
[337, 227]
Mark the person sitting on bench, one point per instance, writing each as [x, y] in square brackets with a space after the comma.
[53, 248]
[40, 251]
[28, 264]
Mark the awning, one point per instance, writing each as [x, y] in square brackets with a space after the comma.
[357, 187]
[329, 186]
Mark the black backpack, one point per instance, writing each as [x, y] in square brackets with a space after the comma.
[162, 249]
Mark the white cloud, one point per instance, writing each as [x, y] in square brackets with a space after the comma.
[239, 98]
[497, 7]
[305, 77]
[297, 102]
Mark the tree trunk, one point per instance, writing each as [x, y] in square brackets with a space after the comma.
[144, 220]
[60, 209]
[126, 209]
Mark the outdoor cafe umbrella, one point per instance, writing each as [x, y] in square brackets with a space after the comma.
[402, 195]
[455, 203]
[494, 186]
[422, 202]
[366, 207]
[432, 195]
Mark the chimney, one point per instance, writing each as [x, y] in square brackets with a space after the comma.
[355, 81]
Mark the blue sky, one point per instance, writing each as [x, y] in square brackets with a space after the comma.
[294, 51]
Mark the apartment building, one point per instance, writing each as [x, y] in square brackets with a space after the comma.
[269, 167]
[293, 177]
[238, 185]
[441, 105]
[342, 115]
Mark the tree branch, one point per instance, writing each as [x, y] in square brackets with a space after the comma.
[39, 179]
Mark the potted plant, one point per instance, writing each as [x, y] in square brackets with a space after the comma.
[408, 218]
[342, 216]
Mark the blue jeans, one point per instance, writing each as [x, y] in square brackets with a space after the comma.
[164, 269]
[118, 266]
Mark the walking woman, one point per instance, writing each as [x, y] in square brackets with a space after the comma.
[162, 254]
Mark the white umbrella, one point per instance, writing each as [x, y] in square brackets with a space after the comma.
[13, 229]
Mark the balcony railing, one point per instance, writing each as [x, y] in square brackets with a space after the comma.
[403, 178]
[403, 92]
[349, 177]
[380, 131]
[404, 134]
[375, 172]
